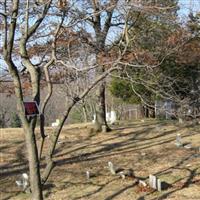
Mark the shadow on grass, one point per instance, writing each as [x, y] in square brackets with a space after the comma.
[131, 142]
[189, 180]
[117, 148]
[120, 191]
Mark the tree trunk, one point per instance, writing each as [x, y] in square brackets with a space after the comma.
[101, 109]
[85, 112]
[52, 144]
[34, 166]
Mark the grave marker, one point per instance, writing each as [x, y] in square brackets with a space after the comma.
[113, 117]
[153, 181]
[94, 118]
[178, 140]
[111, 168]
[87, 175]
[157, 184]
[55, 124]
[108, 116]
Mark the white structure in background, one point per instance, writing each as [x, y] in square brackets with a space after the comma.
[54, 124]
[108, 116]
[94, 118]
[111, 117]
[178, 140]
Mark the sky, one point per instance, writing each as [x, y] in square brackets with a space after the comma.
[186, 6]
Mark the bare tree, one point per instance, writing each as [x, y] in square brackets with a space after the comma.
[22, 40]
[13, 40]
[35, 34]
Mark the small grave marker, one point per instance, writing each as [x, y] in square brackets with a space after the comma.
[87, 175]
[111, 168]
[104, 128]
[178, 141]
[113, 117]
[23, 182]
[122, 175]
[94, 118]
[157, 184]
[108, 116]
[142, 183]
[55, 124]
[153, 181]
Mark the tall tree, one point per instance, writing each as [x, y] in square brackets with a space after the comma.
[18, 30]
[98, 19]
[147, 29]
[31, 35]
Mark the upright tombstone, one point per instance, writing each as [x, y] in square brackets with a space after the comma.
[55, 124]
[94, 118]
[57, 121]
[157, 184]
[87, 175]
[104, 128]
[108, 116]
[113, 117]
[153, 181]
[111, 168]
[178, 140]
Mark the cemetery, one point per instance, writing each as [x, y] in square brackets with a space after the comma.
[100, 100]
[145, 159]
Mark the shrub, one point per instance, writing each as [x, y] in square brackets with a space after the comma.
[15, 121]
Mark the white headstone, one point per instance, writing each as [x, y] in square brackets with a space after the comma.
[108, 116]
[94, 118]
[122, 175]
[142, 183]
[153, 181]
[113, 117]
[56, 123]
[178, 140]
[87, 174]
[111, 168]
[159, 185]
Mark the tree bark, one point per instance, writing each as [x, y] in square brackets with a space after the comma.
[85, 114]
[34, 166]
[52, 144]
[101, 32]
[101, 109]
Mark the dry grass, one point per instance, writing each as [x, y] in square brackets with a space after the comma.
[147, 148]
